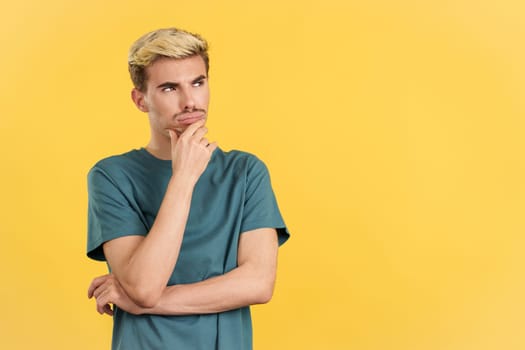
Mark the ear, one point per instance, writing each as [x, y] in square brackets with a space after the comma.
[139, 99]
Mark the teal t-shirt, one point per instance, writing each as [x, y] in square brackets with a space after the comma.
[232, 196]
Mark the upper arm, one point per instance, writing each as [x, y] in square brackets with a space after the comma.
[258, 251]
[118, 252]
[260, 206]
[112, 213]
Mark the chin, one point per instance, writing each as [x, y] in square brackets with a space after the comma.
[178, 131]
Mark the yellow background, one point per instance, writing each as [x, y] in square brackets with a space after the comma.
[393, 131]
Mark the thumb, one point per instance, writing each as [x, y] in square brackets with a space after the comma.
[173, 136]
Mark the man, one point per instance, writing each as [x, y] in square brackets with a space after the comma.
[190, 233]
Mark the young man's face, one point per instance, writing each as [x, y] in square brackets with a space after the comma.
[177, 94]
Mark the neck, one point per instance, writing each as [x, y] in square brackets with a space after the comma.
[160, 148]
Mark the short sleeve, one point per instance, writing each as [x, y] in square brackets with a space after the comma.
[111, 214]
[260, 206]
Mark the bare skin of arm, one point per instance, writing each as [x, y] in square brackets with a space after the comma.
[143, 265]
[250, 283]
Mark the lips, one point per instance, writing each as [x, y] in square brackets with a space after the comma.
[190, 118]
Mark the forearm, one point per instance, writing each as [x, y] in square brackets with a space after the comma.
[250, 283]
[143, 265]
[145, 273]
[243, 286]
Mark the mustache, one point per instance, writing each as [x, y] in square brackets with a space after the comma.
[183, 113]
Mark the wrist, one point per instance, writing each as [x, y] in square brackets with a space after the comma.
[181, 179]
[180, 188]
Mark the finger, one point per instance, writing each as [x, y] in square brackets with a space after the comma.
[199, 133]
[101, 289]
[193, 127]
[100, 308]
[100, 302]
[212, 146]
[107, 285]
[108, 310]
[105, 309]
[204, 142]
[96, 283]
[173, 136]
[103, 300]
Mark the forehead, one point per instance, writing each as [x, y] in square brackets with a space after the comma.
[175, 70]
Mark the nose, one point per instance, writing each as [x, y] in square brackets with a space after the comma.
[187, 100]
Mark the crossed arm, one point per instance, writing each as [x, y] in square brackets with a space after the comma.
[141, 266]
[250, 283]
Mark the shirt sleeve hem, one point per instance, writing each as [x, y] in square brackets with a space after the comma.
[95, 250]
[282, 231]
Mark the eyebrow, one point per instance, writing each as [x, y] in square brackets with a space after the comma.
[175, 85]
[199, 78]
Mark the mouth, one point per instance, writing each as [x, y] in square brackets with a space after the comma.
[190, 117]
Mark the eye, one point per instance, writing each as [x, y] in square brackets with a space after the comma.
[198, 83]
[168, 89]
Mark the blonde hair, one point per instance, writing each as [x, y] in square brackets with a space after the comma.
[169, 42]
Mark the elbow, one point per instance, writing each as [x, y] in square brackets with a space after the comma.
[145, 297]
[264, 297]
[264, 293]
[146, 303]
